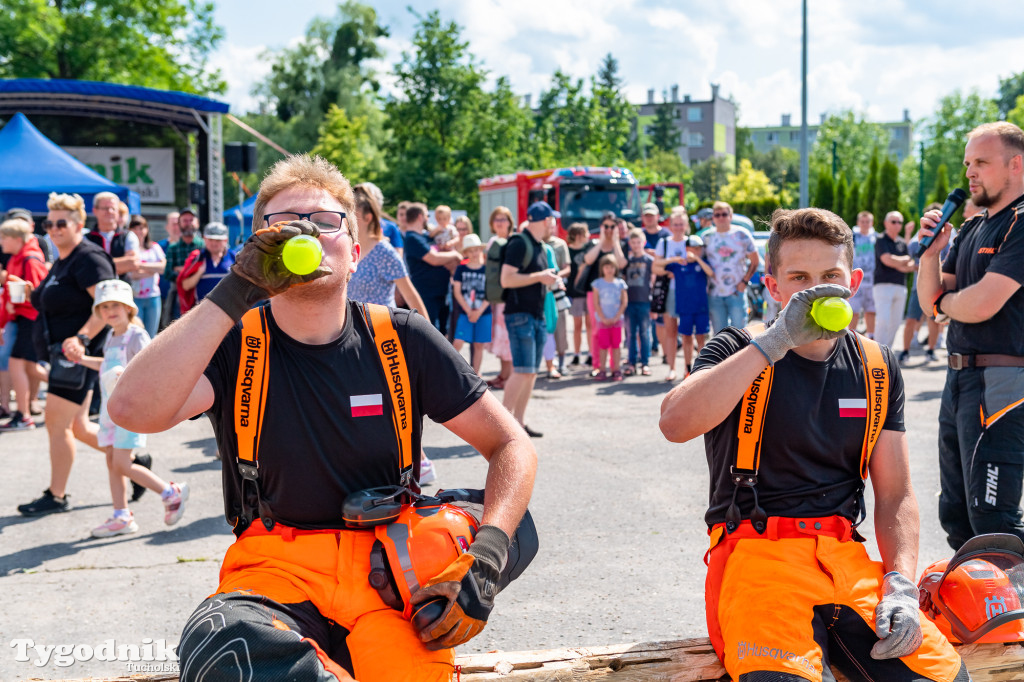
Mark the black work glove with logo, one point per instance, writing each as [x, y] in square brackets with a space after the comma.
[794, 326]
[259, 272]
[465, 590]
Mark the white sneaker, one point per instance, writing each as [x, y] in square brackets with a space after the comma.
[428, 473]
[174, 504]
[116, 525]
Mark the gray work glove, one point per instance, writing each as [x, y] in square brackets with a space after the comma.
[259, 273]
[794, 326]
[897, 618]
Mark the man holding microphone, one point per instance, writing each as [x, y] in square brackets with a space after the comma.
[978, 289]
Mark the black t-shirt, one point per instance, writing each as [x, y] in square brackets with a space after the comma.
[431, 281]
[64, 297]
[595, 270]
[810, 456]
[313, 450]
[883, 273]
[529, 299]
[990, 244]
[575, 264]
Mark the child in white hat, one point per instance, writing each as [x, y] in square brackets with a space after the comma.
[115, 305]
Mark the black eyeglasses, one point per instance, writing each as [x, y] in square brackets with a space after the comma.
[60, 224]
[327, 221]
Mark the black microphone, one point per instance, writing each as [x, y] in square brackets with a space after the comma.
[954, 201]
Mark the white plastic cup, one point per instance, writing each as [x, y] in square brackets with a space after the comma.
[17, 290]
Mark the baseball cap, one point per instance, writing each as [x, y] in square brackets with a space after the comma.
[114, 290]
[22, 213]
[186, 209]
[651, 208]
[215, 231]
[539, 210]
[471, 241]
[704, 214]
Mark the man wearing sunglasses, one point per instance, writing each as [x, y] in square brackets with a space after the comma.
[892, 263]
[732, 255]
[295, 601]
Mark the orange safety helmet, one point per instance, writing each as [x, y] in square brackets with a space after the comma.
[426, 537]
[976, 595]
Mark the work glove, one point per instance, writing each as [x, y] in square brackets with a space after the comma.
[794, 326]
[468, 587]
[897, 618]
[259, 272]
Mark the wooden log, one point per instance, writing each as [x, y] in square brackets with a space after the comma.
[687, 660]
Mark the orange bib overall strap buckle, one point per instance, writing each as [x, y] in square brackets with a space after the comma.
[747, 458]
[251, 399]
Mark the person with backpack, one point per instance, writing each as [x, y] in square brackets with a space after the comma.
[336, 391]
[796, 419]
[525, 276]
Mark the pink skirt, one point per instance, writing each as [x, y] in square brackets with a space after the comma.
[499, 335]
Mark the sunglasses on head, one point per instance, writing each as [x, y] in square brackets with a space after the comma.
[60, 224]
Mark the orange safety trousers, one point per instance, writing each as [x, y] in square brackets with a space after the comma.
[330, 569]
[803, 596]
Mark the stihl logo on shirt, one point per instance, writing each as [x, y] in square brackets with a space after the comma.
[853, 407]
[370, 405]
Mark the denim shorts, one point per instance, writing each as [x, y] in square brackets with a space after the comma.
[526, 336]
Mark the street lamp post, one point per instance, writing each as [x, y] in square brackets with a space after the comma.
[803, 112]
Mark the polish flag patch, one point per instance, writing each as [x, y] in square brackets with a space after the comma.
[370, 405]
[853, 407]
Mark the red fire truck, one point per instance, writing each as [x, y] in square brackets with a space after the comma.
[582, 194]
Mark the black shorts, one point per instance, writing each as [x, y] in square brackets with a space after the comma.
[24, 348]
[77, 396]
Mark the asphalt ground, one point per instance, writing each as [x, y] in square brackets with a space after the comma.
[619, 512]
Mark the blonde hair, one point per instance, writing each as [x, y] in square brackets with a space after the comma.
[15, 227]
[442, 210]
[100, 196]
[464, 219]
[607, 259]
[721, 204]
[303, 170]
[637, 232]
[73, 203]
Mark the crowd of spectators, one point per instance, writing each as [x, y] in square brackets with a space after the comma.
[651, 291]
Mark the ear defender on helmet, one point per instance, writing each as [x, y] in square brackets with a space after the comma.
[977, 595]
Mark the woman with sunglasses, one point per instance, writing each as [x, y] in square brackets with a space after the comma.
[64, 301]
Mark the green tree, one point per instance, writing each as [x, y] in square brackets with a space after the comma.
[664, 133]
[345, 143]
[748, 185]
[1010, 88]
[615, 110]
[709, 176]
[945, 132]
[1016, 114]
[445, 131]
[824, 193]
[853, 205]
[941, 190]
[855, 137]
[328, 67]
[888, 196]
[870, 195]
[164, 44]
[745, 144]
[842, 191]
[570, 126]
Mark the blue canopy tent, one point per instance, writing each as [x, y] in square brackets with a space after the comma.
[239, 229]
[32, 166]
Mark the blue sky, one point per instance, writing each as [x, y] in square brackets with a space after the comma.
[875, 56]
